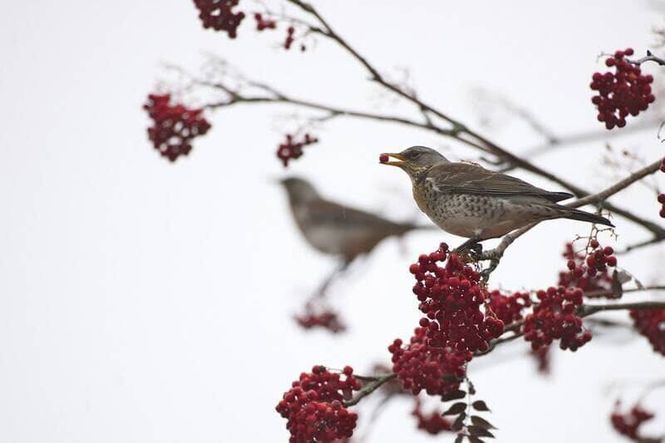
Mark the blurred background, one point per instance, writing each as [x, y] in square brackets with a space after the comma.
[144, 301]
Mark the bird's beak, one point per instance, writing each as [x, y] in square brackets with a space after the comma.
[385, 159]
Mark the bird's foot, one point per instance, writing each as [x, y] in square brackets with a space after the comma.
[485, 273]
[472, 248]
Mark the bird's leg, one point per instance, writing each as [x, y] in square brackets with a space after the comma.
[485, 274]
[471, 247]
[323, 288]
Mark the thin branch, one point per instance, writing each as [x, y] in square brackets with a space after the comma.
[592, 309]
[369, 388]
[648, 58]
[609, 292]
[583, 137]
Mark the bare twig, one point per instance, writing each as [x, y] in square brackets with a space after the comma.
[648, 58]
[609, 292]
[369, 388]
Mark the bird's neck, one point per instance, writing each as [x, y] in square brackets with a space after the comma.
[419, 175]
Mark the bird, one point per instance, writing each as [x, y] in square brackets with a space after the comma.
[336, 229]
[470, 201]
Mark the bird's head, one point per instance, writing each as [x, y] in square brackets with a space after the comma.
[299, 190]
[414, 159]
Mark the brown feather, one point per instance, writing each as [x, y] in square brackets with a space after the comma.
[464, 178]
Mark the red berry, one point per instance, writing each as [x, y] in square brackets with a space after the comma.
[320, 318]
[174, 126]
[629, 423]
[291, 148]
[383, 158]
[651, 324]
[219, 15]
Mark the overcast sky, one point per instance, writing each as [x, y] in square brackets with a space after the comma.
[143, 301]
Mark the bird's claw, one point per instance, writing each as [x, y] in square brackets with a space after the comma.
[471, 248]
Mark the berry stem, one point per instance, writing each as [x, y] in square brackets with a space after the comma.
[369, 388]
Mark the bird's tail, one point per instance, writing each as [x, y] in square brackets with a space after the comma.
[403, 228]
[576, 214]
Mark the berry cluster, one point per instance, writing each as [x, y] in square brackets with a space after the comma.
[432, 423]
[588, 272]
[508, 308]
[420, 366]
[628, 423]
[174, 126]
[451, 297]
[325, 319]
[626, 91]
[292, 148]
[263, 23]
[314, 406]
[219, 15]
[651, 324]
[554, 317]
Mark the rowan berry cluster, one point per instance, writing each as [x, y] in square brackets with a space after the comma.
[554, 318]
[626, 91]
[291, 148]
[325, 319]
[433, 422]
[628, 423]
[419, 366]
[219, 15]
[588, 272]
[454, 302]
[174, 126]
[314, 406]
[263, 23]
[508, 308]
[651, 324]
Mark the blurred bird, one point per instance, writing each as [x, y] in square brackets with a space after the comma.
[470, 201]
[335, 229]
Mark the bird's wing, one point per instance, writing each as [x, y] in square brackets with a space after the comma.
[463, 178]
[332, 214]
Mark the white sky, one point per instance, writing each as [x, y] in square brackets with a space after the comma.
[147, 302]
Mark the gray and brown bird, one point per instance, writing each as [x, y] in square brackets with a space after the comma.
[470, 201]
[336, 229]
